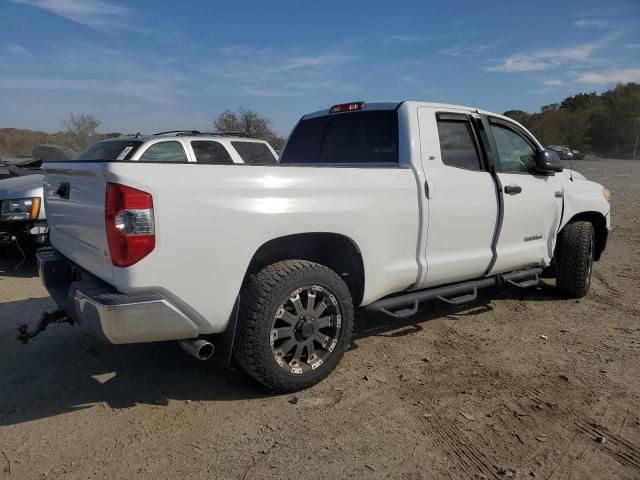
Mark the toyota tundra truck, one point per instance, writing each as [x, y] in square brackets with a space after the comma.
[379, 206]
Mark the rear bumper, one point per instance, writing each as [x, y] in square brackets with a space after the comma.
[116, 317]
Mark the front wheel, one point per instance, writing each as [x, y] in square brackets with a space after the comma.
[574, 258]
[295, 323]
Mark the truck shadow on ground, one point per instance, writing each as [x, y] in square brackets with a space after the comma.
[65, 370]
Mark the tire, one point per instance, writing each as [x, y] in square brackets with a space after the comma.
[574, 259]
[275, 314]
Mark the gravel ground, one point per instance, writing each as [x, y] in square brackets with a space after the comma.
[517, 384]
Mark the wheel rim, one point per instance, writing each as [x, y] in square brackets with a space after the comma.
[305, 329]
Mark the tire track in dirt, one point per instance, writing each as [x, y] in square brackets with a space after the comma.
[619, 448]
[612, 301]
[467, 455]
[581, 433]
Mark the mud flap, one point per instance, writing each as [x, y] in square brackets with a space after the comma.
[224, 341]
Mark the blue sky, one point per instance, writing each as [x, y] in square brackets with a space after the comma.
[155, 65]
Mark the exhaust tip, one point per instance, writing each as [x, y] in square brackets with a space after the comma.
[205, 352]
[198, 348]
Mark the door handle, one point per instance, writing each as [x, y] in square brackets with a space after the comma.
[512, 189]
[63, 190]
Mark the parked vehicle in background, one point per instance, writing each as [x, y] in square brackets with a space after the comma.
[22, 213]
[566, 153]
[377, 205]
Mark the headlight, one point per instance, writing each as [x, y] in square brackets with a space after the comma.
[606, 194]
[20, 209]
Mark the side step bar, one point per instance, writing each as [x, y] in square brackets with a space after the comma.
[406, 305]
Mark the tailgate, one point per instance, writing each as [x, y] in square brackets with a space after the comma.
[74, 199]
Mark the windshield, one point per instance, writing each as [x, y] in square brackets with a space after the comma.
[109, 151]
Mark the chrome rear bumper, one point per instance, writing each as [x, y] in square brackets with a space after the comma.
[116, 317]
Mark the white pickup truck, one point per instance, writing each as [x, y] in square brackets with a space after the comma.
[374, 205]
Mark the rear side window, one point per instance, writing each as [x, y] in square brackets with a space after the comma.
[109, 150]
[212, 153]
[345, 138]
[255, 153]
[164, 152]
[457, 144]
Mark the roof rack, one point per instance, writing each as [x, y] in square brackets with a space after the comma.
[196, 132]
[179, 132]
[230, 134]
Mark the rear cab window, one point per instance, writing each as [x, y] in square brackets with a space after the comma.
[364, 137]
[108, 151]
[254, 153]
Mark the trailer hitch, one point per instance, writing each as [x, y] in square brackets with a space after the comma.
[58, 317]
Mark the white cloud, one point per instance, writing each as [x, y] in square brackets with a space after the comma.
[632, 45]
[543, 59]
[407, 37]
[611, 76]
[583, 23]
[95, 14]
[267, 73]
[15, 49]
[556, 82]
[467, 50]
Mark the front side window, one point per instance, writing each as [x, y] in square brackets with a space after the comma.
[457, 144]
[516, 154]
[164, 152]
[212, 153]
[345, 138]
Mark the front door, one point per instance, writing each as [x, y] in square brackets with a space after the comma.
[532, 201]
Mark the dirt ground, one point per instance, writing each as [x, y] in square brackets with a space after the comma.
[517, 384]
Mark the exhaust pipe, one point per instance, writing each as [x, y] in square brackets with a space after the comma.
[197, 348]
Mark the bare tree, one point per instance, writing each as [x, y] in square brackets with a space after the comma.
[83, 127]
[249, 123]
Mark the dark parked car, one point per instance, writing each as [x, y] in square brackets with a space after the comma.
[566, 153]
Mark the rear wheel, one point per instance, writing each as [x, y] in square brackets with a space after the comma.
[574, 258]
[296, 319]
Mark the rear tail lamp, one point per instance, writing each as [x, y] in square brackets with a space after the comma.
[129, 223]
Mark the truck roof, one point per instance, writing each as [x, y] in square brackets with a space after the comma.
[395, 104]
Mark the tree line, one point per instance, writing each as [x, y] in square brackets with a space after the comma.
[81, 130]
[607, 125]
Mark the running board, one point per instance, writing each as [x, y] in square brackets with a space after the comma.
[406, 305]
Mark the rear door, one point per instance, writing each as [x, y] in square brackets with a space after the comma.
[532, 201]
[461, 197]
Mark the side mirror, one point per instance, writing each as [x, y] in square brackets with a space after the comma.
[548, 161]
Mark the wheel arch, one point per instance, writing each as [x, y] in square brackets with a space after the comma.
[335, 251]
[599, 223]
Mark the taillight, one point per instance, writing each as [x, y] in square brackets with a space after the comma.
[129, 223]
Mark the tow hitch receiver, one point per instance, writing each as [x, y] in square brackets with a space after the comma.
[58, 316]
